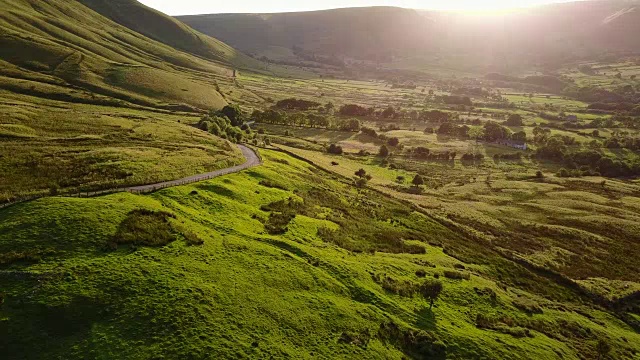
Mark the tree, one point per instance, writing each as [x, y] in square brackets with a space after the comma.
[431, 290]
[603, 348]
[394, 141]
[476, 133]
[335, 149]
[384, 151]
[361, 173]
[233, 113]
[520, 136]
[494, 131]
[389, 112]
[417, 181]
[514, 120]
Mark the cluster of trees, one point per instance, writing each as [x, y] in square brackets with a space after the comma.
[271, 116]
[296, 104]
[455, 100]
[586, 162]
[424, 153]
[622, 99]
[469, 157]
[228, 123]
[491, 132]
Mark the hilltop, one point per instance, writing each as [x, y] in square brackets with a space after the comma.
[403, 38]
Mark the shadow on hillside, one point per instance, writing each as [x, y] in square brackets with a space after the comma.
[217, 189]
[426, 319]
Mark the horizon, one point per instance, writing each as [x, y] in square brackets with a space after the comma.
[199, 7]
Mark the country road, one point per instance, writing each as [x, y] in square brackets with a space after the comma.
[251, 157]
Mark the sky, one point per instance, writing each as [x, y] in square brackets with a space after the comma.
[191, 7]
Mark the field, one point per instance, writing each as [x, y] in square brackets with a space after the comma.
[250, 291]
[55, 147]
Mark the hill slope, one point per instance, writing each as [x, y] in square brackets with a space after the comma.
[89, 103]
[160, 27]
[367, 33]
[215, 271]
[545, 35]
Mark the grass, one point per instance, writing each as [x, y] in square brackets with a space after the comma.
[244, 292]
[69, 147]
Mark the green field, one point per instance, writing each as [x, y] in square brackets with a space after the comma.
[246, 293]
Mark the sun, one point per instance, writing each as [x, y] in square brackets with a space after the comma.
[484, 7]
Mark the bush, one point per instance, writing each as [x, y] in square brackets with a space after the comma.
[430, 290]
[563, 173]
[335, 149]
[144, 227]
[278, 222]
[192, 238]
[456, 275]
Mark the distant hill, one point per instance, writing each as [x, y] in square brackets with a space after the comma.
[366, 33]
[167, 30]
[546, 35]
[67, 49]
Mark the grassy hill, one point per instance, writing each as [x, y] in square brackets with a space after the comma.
[89, 103]
[167, 30]
[284, 260]
[64, 43]
[421, 40]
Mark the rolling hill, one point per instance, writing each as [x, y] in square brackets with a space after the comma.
[64, 44]
[542, 36]
[89, 103]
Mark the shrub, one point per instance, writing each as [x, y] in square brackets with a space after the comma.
[271, 184]
[278, 222]
[335, 149]
[421, 273]
[430, 290]
[539, 174]
[145, 227]
[192, 238]
[456, 275]
[563, 173]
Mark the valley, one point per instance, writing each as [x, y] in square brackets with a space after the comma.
[311, 196]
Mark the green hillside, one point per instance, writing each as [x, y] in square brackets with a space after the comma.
[64, 43]
[88, 103]
[282, 261]
[160, 27]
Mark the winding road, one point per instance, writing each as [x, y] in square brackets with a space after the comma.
[251, 157]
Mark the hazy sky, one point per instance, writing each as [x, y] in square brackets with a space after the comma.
[187, 7]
